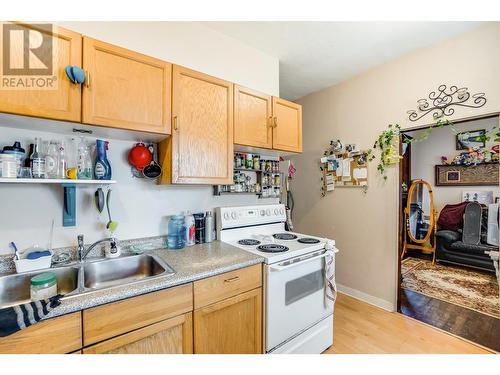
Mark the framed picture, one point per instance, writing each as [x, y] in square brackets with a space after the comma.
[472, 138]
[452, 176]
[486, 174]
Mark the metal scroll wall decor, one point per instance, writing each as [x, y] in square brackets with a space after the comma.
[442, 101]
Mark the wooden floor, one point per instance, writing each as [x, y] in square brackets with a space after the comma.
[363, 328]
[469, 324]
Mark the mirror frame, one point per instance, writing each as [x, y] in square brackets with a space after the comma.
[432, 218]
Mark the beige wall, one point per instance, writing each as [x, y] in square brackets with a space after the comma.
[365, 225]
[427, 153]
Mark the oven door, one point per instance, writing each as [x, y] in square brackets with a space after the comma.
[295, 297]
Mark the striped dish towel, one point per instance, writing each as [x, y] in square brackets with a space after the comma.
[330, 286]
[16, 318]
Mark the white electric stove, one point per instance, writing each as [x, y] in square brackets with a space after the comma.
[298, 318]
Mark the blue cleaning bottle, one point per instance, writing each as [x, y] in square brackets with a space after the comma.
[102, 168]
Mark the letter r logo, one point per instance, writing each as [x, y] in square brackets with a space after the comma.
[27, 49]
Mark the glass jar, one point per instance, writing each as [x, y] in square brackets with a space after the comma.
[18, 152]
[8, 166]
[249, 161]
[43, 286]
[256, 160]
[237, 160]
[176, 236]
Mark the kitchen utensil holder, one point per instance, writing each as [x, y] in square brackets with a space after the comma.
[27, 265]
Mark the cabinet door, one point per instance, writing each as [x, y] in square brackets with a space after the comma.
[125, 89]
[287, 128]
[53, 336]
[252, 118]
[172, 336]
[54, 96]
[202, 135]
[232, 326]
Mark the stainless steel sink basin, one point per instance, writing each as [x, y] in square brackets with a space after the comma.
[120, 271]
[15, 289]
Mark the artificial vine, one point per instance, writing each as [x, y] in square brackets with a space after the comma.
[387, 142]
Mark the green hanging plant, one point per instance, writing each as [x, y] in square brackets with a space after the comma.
[388, 145]
[388, 142]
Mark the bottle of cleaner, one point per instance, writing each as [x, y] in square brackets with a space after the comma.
[102, 168]
[190, 228]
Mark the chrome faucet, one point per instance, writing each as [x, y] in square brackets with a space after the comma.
[82, 252]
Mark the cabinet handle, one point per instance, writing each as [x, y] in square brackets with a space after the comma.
[270, 122]
[176, 127]
[275, 121]
[87, 79]
[232, 279]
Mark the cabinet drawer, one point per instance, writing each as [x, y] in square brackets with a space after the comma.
[53, 336]
[228, 284]
[103, 322]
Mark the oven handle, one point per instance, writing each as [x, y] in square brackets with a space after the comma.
[278, 268]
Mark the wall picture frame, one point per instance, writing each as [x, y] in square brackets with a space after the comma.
[470, 139]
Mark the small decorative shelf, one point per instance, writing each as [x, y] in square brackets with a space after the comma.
[69, 197]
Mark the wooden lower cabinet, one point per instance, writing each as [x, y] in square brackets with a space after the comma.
[231, 326]
[53, 336]
[171, 336]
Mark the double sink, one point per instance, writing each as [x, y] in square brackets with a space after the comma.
[86, 277]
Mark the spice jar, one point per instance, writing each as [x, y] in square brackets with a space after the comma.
[249, 162]
[277, 180]
[237, 160]
[256, 159]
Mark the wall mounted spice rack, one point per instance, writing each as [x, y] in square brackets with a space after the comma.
[264, 181]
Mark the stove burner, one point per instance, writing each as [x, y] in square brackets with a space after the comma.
[284, 236]
[307, 240]
[272, 248]
[248, 242]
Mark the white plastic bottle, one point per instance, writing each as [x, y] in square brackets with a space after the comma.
[190, 228]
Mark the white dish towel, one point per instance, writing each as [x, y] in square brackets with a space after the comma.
[330, 286]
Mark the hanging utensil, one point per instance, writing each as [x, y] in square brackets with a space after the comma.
[111, 225]
[153, 170]
[99, 200]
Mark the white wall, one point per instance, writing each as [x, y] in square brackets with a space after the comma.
[426, 154]
[365, 226]
[140, 207]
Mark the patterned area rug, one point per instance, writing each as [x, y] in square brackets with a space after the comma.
[461, 286]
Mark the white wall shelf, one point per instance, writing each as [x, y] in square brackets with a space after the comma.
[69, 196]
[54, 181]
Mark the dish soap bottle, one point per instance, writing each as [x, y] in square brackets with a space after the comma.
[102, 168]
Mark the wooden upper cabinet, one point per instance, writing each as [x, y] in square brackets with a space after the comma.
[200, 150]
[61, 99]
[287, 127]
[125, 89]
[252, 118]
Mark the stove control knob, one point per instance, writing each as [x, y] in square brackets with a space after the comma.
[233, 215]
[262, 213]
[268, 212]
[276, 211]
[226, 215]
[282, 211]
